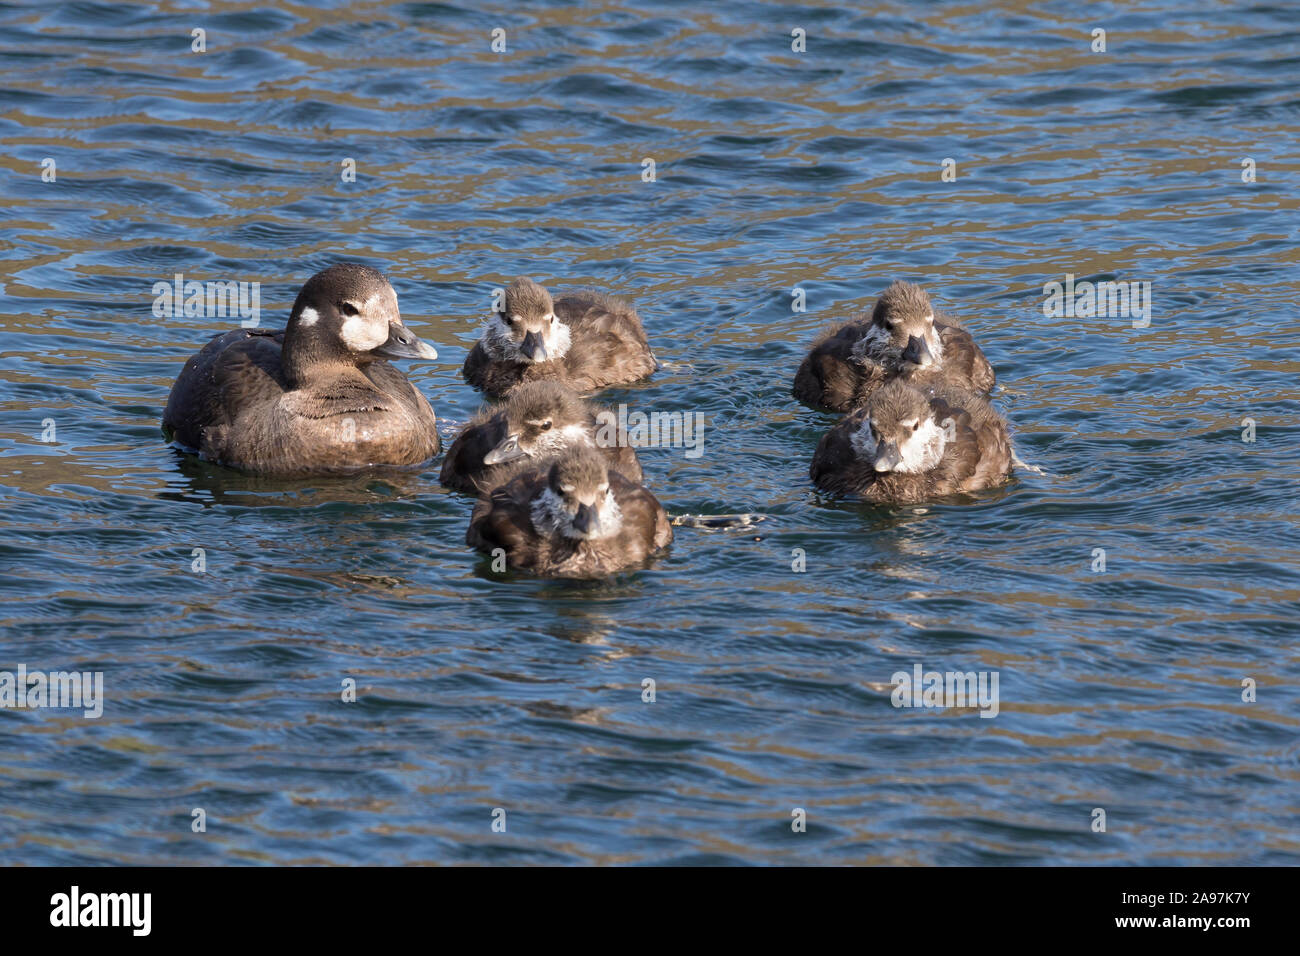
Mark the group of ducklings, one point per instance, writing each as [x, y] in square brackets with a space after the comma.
[319, 398]
[919, 424]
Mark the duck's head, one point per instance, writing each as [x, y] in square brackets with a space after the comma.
[526, 329]
[348, 313]
[899, 432]
[581, 503]
[902, 332]
[541, 418]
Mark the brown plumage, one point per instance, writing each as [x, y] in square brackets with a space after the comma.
[537, 421]
[901, 339]
[906, 446]
[587, 340]
[575, 518]
[315, 398]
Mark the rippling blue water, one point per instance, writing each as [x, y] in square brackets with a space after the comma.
[1120, 689]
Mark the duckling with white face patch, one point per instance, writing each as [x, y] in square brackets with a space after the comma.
[907, 446]
[577, 501]
[587, 340]
[900, 340]
[574, 518]
[526, 329]
[536, 422]
[316, 398]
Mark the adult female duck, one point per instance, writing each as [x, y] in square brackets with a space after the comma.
[315, 398]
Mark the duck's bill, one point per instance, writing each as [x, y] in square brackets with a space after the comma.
[887, 457]
[507, 450]
[533, 347]
[404, 344]
[586, 520]
[918, 352]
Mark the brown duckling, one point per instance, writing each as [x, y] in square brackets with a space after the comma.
[573, 518]
[906, 446]
[900, 340]
[587, 340]
[537, 421]
[314, 398]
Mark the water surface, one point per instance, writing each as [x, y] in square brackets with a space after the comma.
[818, 170]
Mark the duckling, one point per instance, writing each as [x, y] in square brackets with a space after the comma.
[573, 518]
[901, 339]
[537, 421]
[314, 398]
[906, 446]
[587, 340]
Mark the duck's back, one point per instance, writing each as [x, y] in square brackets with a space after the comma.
[608, 346]
[613, 347]
[964, 364]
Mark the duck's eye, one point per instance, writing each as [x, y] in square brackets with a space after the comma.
[348, 309]
[546, 425]
[915, 426]
[602, 489]
[551, 318]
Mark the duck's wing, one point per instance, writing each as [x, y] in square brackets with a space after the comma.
[961, 354]
[623, 459]
[493, 377]
[463, 466]
[979, 451]
[835, 455]
[502, 519]
[235, 370]
[609, 342]
[646, 528]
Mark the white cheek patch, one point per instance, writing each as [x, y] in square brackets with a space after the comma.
[565, 437]
[558, 338]
[308, 317]
[923, 448]
[362, 334]
[550, 516]
[499, 340]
